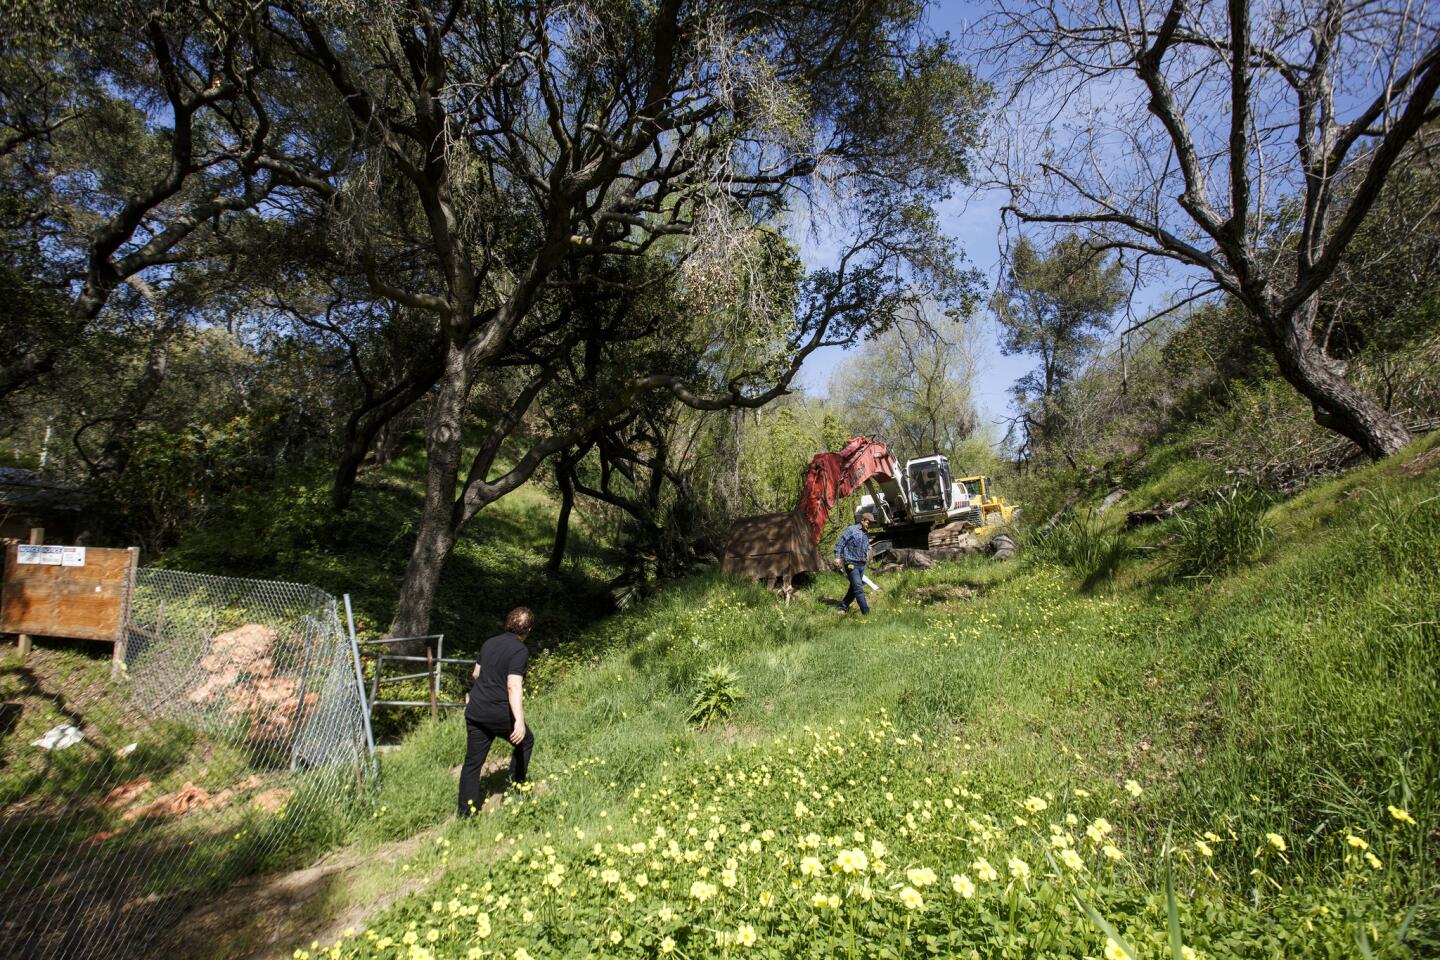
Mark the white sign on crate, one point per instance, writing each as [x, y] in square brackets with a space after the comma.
[51, 556]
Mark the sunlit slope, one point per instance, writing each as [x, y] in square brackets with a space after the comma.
[1275, 722]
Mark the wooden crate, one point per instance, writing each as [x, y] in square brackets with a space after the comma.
[84, 597]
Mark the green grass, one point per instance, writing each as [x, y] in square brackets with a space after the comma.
[1291, 693]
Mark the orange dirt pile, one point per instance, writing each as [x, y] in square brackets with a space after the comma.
[271, 800]
[241, 670]
[180, 802]
[125, 794]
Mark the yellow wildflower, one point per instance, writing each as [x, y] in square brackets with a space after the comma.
[1401, 815]
[912, 899]
[920, 876]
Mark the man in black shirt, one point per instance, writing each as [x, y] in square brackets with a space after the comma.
[495, 707]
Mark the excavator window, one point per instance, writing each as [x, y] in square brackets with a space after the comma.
[928, 487]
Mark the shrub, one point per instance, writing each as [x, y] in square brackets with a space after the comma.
[1222, 535]
[1083, 543]
[716, 697]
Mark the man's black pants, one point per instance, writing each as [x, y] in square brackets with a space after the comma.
[478, 736]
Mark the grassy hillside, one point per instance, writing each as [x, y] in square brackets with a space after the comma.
[1261, 735]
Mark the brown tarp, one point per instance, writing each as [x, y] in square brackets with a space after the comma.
[770, 545]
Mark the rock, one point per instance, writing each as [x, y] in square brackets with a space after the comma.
[903, 557]
[246, 647]
[1002, 547]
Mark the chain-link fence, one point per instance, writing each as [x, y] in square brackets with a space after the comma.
[236, 735]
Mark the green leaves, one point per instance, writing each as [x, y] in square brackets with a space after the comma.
[1222, 535]
[716, 696]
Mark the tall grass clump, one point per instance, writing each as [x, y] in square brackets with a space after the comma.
[1222, 535]
[1082, 542]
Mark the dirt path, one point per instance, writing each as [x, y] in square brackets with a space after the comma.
[266, 918]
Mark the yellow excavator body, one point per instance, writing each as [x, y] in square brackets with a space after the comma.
[996, 511]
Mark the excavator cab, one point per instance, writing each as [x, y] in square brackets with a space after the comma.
[930, 486]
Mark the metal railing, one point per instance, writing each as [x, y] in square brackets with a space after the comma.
[434, 660]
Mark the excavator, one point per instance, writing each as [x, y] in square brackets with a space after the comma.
[920, 506]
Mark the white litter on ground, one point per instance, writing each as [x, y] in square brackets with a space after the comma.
[58, 738]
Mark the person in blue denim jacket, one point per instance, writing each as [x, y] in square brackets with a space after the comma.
[852, 552]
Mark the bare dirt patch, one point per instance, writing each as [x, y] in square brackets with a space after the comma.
[265, 917]
[945, 593]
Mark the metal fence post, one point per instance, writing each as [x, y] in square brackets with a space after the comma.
[360, 687]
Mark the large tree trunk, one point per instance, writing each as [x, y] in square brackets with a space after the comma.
[1338, 405]
[562, 525]
[439, 514]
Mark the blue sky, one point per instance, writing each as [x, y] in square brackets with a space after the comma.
[974, 220]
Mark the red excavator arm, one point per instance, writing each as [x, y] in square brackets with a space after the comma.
[833, 476]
